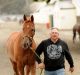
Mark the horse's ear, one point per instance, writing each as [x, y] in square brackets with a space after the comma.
[32, 18]
[24, 17]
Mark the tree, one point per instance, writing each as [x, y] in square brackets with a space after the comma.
[47, 1]
[35, 0]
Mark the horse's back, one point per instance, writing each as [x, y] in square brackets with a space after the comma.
[10, 44]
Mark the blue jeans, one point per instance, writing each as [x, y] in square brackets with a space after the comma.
[57, 72]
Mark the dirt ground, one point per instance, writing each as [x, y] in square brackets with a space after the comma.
[41, 33]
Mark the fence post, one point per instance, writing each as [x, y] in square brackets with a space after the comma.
[51, 20]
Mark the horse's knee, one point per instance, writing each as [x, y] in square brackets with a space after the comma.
[27, 70]
[14, 65]
[31, 69]
[20, 69]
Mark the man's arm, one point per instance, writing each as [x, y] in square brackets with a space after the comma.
[39, 51]
[69, 58]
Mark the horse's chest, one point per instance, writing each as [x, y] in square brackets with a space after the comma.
[28, 57]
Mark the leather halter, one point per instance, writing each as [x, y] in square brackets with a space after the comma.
[28, 43]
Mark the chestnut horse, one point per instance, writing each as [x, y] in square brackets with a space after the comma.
[20, 45]
[76, 29]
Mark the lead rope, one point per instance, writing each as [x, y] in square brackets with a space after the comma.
[38, 57]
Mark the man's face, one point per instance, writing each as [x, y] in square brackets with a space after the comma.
[54, 34]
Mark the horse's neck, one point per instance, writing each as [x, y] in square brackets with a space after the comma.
[33, 45]
[19, 36]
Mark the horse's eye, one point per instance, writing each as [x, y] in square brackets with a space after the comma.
[23, 38]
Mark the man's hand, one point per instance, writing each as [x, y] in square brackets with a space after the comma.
[71, 69]
[41, 65]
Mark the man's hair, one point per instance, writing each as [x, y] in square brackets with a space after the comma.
[54, 28]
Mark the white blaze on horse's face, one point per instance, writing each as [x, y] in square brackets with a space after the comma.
[29, 27]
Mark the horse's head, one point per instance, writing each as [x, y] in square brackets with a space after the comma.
[28, 31]
[28, 26]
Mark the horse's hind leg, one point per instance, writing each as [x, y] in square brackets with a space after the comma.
[74, 35]
[14, 67]
[79, 36]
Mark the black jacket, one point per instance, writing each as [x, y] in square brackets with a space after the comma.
[54, 54]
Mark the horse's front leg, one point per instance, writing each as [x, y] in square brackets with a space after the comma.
[14, 64]
[27, 69]
[20, 68]
[33, 70]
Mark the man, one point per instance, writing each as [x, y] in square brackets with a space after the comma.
[54, 50]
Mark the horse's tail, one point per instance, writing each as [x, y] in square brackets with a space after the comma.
[74, 35]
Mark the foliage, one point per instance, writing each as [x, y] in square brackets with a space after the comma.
[35, 0]
[47, 1]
